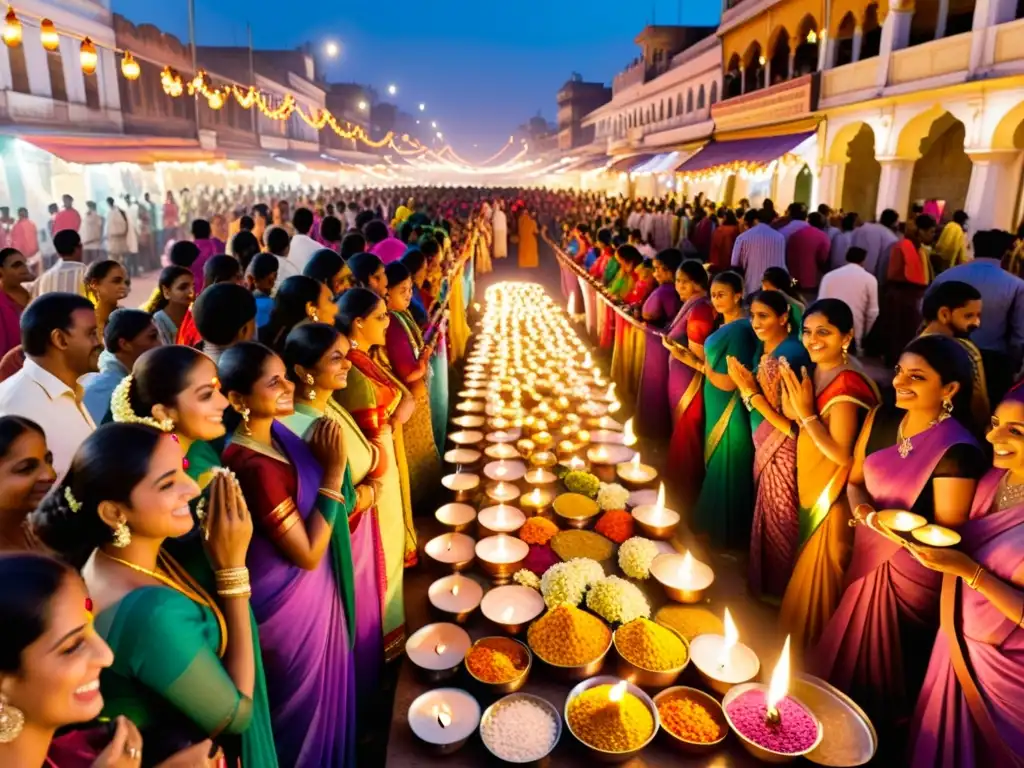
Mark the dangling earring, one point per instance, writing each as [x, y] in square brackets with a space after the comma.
[353, 343]
[122, 535]
[311, 395]
[245, 420]
[313, 316]
[846, 354]
[947, 409]
[12, 720]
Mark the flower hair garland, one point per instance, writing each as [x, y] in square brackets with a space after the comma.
[73, 504]
[121, 408]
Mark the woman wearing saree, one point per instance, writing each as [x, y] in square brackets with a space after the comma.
[830, 406]
[685, 340]
[629, 259]
[379, 405]
[971, 709]
[297, 494]
[723, 507]
[408, 357]
[927, 462]
[527, 230]
[775, 533]
[184, 665]
[316, 358]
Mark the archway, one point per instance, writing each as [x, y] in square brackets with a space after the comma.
[862, 171]
[731, 82]
[753, 76]
[779, 70]
[714, 90]
[844, 40]
[943, 170]
[805, 60]
[871, 41]
[802, 187]
[700, 97]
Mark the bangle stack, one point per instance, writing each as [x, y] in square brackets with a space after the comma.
[233, 582]
[973, 581]
[332, 495]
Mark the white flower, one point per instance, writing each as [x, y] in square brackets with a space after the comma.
[612, 496]
[636, 555]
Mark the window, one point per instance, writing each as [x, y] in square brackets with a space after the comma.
[714, 93]
[19, 70]
[56, 66]
[700, 98]
[670, 109]
[679, 104]
[689, 101]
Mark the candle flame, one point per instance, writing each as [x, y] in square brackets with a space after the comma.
[732, 636]
[601, 454]
[686, 568]
[628, 436]
[500, 515]
[575, 463]
[500, 549]
[659, 505]
[440, 648]
[636, 462]
[507, 614]
[779, 685]
[455, 589]
[611, 391]
[617, 692]
[501, 471]
[501, 489]
[535, 496]
[451, 538]
[614, 406]
[443, 715]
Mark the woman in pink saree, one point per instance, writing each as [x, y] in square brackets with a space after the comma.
[925, 461]
[971, 708]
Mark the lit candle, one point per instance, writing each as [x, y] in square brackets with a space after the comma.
[501, 555]
[501, 519]
[455, 516]
[466, 437]
[508, 471]
[455, 594]
[898, 520]
[462, 456]
[936, 536]
[540, 476]
[779, 685]
[633, 473]
[501, 451]
[502, 492]
[513, 606]
[628, 436]
[451, 549]
[723, 661]
[467, 422]
[536, 501]
[438, 648]
[656, 521]
[462, 483]
[444, 718]
[575, 464]
[684, 578]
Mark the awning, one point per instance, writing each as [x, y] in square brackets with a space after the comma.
[631, 163]
[94, 150]
[586, 164]
[752, 154]
[662, 163]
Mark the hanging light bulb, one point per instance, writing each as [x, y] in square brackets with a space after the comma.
[12, 29]
[215, 100]
[48, 35]
[87, 57]
[170, 81]
[130, 67]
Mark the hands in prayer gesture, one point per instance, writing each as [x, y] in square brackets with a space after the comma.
[745, 381]
[228, 524]
[799, 389]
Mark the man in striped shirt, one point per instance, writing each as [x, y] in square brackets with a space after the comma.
[757, 249]
[67, 275]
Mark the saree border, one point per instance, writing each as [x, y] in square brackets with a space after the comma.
[689, 395]
[718, 431]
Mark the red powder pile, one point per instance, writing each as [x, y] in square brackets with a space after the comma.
[616, 525]
[540, 558]
[795, 732]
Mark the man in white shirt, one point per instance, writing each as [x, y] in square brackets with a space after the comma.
[92, 234]
[858, 288]
[877, 239]
[67, 275]
[61, 344]
[302, 246]
[278, 242]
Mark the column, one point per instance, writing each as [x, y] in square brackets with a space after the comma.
[830, 185]
[74, 80]
[6, 82]
[767, 72]
[826, 52]
[994, 175]
[987, 13]
[895, 37]
[894, 185]
[943, 18]
[743, 80]
[793, 43]
[858, 41]
[35, 62]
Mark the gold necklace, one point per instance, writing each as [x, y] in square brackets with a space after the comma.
[903, 445]
[1009, 495]
[178, 579]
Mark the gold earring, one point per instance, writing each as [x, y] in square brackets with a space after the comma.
[846, 354]
[12, 720]
[313, 316]
[947, 409]
[122, 535]
[245, 420]
[311, 395]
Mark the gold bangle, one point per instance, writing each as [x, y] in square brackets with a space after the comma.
[229, 572]
[333, 495]
[973, 581]
[235, 592]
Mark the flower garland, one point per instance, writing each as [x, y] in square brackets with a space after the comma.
[121, 408]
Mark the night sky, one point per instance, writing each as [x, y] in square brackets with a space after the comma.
[481, 68]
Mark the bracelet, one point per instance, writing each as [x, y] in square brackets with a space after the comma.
[805, 421]
[332, 495]
[245, 591]
[233, 582]
[973, 581]
[747, 401]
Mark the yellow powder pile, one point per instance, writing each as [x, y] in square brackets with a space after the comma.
[612, 726]
[689, 620]
[650, 646]
[568, 637]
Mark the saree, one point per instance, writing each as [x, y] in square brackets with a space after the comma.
[526, 228]
[372, 398]
[437, 388]
[627, 355]
[363, 539]
[404, 344]
[723, 509]
[458, 325]
[301, 613]
[775, 532]
[10, 323]
[694, 322]
[826, 539]
[971, 708]
[890, 602]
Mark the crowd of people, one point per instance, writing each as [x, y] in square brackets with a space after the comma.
[206, 503]
[783, 445]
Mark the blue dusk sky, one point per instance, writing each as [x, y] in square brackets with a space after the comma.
[481, 68]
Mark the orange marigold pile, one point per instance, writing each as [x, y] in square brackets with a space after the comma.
[537, 530]
[616, 525]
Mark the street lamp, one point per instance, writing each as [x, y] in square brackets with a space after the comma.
[332, 49]
[422, 106]
[392, 89]
[362, 106]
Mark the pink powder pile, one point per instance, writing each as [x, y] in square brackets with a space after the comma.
[795, 732]
[540, 558]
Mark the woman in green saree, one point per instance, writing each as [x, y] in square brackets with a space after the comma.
[184, 661]
[175, 389]
[724, 509]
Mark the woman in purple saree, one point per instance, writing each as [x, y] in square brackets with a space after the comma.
[296, 493]
[971, 708]
[927, 462]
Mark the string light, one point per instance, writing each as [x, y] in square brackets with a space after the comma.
[130, 67]
[215, 100]
[88, 57]
[12, 29]
[170, 81]
[48, 35]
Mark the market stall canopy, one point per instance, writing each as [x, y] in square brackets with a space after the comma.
[752, 154]
[631, 163]
[663, 163]
[585, 164]
[94, 150]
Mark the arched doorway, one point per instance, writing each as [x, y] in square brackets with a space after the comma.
[844, 40]
[779, 70]
[805, 60]
[855, 145]
[731, 82]
[803, 185]
[753, 76]
[871, 42]
[943, 170]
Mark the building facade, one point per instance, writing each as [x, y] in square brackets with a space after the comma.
[576, 99]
